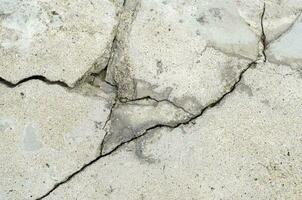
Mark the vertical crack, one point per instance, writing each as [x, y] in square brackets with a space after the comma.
[186, 122]
[263, 36]
[34, 77]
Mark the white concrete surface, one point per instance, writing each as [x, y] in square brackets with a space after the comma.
[150, 99]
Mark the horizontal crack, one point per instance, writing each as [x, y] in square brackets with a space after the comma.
[186, 122]
[211, 105]
[83, 79]
[34, 77]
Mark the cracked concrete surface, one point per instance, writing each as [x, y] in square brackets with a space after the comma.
[57, 39]
[141, 99]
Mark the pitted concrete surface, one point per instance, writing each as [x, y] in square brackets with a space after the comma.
[150, 99]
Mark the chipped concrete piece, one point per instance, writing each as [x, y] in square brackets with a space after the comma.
[150, 99]
[60, 40]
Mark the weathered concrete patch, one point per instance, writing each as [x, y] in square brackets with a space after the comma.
[287, 49]
[279, 15]
[31, 140]
[134, 118]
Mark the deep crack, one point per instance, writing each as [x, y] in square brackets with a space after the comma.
[263, 36]
[186, 122]
[34, 77]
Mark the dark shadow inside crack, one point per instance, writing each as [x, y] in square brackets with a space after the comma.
[191, 119]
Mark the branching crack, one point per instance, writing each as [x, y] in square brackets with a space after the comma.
[186, 122]
[102, 74]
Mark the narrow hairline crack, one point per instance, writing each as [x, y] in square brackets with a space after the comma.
[289, 28]
[126, 100]
[105, 124]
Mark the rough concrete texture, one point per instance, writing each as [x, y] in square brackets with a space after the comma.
[60, 40]
[150, 99]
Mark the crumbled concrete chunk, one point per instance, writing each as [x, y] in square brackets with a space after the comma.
[60, 40]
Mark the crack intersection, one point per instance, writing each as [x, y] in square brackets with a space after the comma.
[188, 121]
